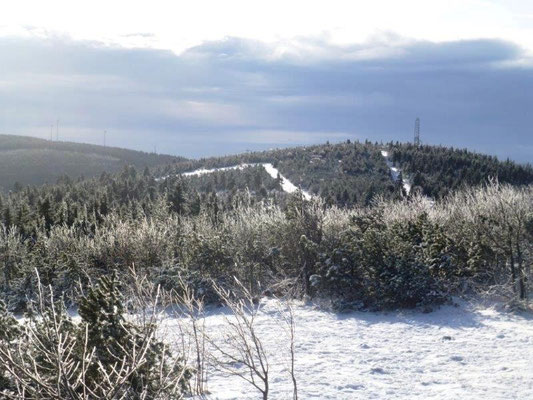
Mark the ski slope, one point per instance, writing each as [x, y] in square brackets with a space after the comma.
[286, 184]
[395, 172]
[456, 352]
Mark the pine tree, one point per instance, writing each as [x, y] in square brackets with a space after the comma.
[113, 337]
[23, 218]
[45, 210]
[7, 217]
[177, 199]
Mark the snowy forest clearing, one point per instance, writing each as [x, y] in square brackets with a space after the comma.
[395, 172]
[462, 352]
[286, 184]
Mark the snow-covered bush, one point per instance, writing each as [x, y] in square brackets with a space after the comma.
[9, 331]
[104, 356]
[386, 266]
[393, 253]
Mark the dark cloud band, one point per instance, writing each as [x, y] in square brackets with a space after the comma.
[232, 95]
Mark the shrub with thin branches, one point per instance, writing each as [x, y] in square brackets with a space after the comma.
[104, 356]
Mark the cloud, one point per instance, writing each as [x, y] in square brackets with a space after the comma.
[140, 34]
[235, 94]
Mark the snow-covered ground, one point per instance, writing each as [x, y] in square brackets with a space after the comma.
[203, 171]
[286, 185]
[395, 172]
[456, 352]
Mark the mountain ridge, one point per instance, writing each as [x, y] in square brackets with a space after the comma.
[32, 161]
[345, 174]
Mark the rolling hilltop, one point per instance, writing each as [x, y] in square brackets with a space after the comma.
[353, 173]
[32, 161]
[344, 174]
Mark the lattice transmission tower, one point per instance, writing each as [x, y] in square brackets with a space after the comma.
[417, 132]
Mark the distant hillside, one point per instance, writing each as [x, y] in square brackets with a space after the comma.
[437, 171]
[343, 174]
[353, 173]
[32, 161]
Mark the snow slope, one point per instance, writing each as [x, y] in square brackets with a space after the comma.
[396, 172]
[462, 352]
[286, 185]
[203, 171]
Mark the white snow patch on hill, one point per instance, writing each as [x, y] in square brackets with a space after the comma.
[453, 353]
[286, 184]
[203, 171]
[395, 172]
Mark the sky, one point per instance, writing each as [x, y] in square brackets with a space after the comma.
[209, 78]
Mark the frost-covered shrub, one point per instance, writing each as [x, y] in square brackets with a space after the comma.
[176, 278]
[390, 254]
[9, 331]
[104, 356]
[385, 266]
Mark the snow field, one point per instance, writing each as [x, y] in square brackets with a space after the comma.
[462, 352]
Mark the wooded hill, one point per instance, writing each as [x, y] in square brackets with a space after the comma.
[344, 174]
[348, 174]
[438, 170]
[32, 161]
